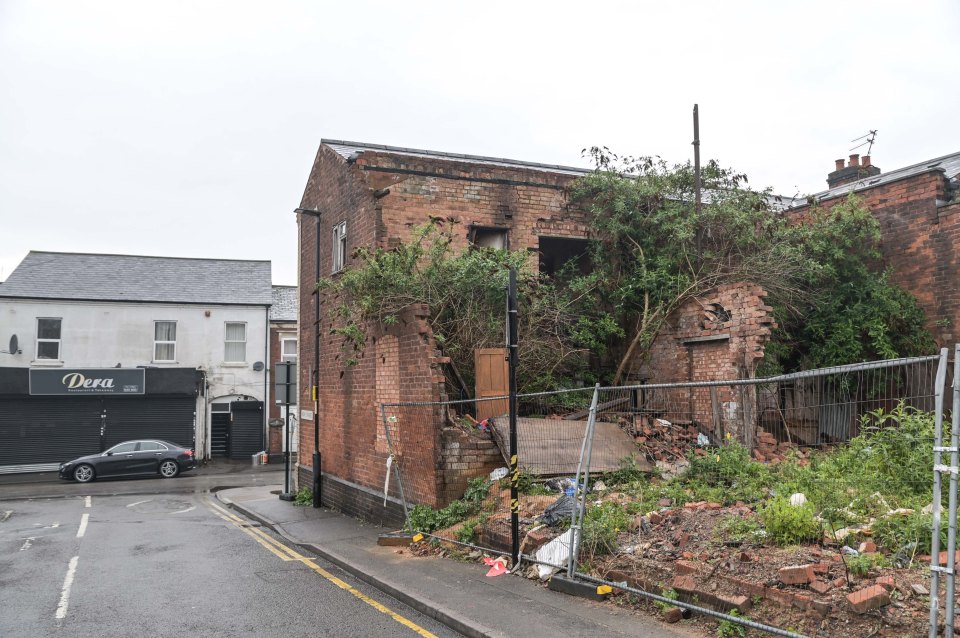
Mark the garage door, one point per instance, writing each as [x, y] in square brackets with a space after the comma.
[39, 434]
[170, 419]
[246, 429]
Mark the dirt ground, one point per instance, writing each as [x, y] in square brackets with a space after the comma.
[682, 542]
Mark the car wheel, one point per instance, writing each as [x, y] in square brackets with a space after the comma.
[169, 469]
[83, 474]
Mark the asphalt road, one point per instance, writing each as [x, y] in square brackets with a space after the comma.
[172, 562]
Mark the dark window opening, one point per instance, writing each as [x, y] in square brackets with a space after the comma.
[496, 238]
[557, 252]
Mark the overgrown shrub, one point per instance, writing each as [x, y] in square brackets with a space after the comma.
[601, 525]
[788, 524]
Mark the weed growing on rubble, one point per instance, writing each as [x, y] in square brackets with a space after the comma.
[739, 529]
[788, 524]
[601, 525]
[726, 628]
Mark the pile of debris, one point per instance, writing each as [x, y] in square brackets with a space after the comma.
[662, 440]
[768, 450]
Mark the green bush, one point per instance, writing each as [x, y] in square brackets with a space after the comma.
[862, 564]
[895, 532]
[304, 497]
[730, 468]
[601, 525]
[787, 524]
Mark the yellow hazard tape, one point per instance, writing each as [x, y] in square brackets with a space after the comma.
[604, 589]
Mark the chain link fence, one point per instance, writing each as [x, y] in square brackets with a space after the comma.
[737, 499]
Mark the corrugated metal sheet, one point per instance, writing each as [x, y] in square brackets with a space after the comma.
[246, 429]
[48, 430]
[170, 419]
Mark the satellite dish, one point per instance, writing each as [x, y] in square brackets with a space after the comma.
[14, 346]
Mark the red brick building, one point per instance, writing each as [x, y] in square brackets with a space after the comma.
[919, 213]
[362, 195]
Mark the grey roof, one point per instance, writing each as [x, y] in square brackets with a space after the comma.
[350, 149]
[949, 164]
[94, 277]
[285, 304]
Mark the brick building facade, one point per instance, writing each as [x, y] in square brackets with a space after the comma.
[919, 214]
[361, 195]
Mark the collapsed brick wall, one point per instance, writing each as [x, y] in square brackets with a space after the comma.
[718, 336]
[465, 455]
[919, 238]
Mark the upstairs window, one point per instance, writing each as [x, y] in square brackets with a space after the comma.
[339, 252]
[164, 340]
[235, 348]
[288, 349]
[48, 338]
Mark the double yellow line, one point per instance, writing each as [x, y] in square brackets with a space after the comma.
[285, 553]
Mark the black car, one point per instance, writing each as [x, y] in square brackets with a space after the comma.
[131, 458]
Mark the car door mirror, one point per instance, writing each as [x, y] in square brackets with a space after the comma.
[108, 453]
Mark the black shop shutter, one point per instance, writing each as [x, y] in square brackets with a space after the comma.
[47, 430]
[246, 429]
[167, 418]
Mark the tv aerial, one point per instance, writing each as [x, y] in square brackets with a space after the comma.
[867, 141]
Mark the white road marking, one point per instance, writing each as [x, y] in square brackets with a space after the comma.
[192, 507]
[67, 584]
[55, 525]
[27, 543]
[88, 501]
[139, 503]
[83, 525]
[6, 515]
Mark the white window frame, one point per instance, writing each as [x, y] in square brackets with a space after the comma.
[226, 341]
[164, 343]
[283, 355]
[58, 341]
[339, 253]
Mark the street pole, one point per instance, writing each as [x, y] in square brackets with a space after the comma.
[514, 465]
[287, 373]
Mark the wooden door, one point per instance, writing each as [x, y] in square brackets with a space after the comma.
[492, 374]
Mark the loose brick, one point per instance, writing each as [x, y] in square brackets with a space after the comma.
[821, 587]
[796, 575]
[864, 600]
[887, 582]
[673, 615]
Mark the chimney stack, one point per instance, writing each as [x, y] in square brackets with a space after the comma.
[855, 170]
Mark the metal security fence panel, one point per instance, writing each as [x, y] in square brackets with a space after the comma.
[749, 497]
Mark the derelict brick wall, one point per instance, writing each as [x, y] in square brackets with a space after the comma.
[466, 455]
[695, 345]
[919, 245]
[527, 202]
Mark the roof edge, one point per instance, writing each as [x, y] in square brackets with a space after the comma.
[457, 156]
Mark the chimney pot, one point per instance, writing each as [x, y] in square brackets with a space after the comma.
[865, 160]
[839, 164]
[854, 160]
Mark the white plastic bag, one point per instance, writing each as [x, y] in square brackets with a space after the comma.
[555, 553]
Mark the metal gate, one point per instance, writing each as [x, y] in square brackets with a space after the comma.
[246, 429]
[38, 434]
[168, 418]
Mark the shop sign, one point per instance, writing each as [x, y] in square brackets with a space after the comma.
[87, 381]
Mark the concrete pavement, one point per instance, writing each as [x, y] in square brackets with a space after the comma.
[455, 593]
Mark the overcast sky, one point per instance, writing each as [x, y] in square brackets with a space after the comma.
[189, 128]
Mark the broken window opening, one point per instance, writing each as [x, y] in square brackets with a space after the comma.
[557, 252]
[496, 238]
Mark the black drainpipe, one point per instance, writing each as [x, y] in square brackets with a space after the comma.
[315, 386]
